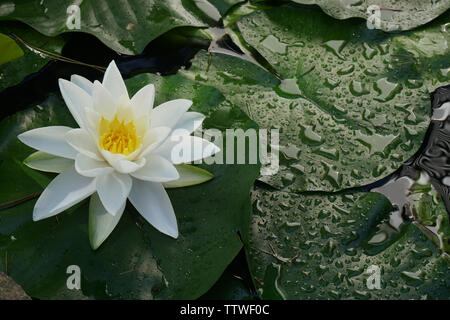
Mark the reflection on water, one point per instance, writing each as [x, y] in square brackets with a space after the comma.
[431, 165]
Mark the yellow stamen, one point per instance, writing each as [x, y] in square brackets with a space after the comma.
[118, 137]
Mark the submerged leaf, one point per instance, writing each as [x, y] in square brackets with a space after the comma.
[9, 49]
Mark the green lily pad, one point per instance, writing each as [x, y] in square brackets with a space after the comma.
[352, 103]
[126, 26]
[320, 149]
[337, 246]
[13, 72]
[136, 261]
[392, 15]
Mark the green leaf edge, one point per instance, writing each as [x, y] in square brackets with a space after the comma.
[204, 174]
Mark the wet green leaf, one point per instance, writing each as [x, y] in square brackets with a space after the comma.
[388, 15]
[353, 103]
[136, 261]
[320, 149]
[332, 246]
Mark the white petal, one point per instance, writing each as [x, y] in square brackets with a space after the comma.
[113, 81]
[178, 149]
[67, 189]
[153, 203]
[113, 190]
[103, 102]
[121, 163]
[101, 222]
[50, 140]
[83, 142]
[76, 100]
[83, 83]
[189, 176]
[125, 111]
[142, 125]
[156, 169]
[93, 119]
[88, 167]
[47, 162]
[142, 101]
[169, 113]
[153, 139]
[126, 166]
[189, 122]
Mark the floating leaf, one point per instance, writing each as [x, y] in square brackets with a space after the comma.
[136, 261]
[320, 149]
[353, 103]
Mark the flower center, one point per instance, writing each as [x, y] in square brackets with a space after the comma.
[118, 137]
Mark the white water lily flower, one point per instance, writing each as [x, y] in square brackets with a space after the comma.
[122, 150]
